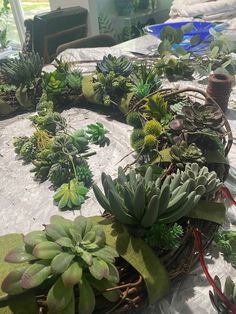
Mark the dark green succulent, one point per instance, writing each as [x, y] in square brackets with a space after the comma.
[54, 83]
[69, 256]
[19, 142]
[52, 122]
[44, 106]
[63, 145]
[74, 80]
[84, 174]
[26, 147]
[60, 172]
[197, 117]
[23, 70]
[80, 140]
[97, 134]
[184, 153]
[225, 240]
[137, 139]
[134, 119]
[120, 66]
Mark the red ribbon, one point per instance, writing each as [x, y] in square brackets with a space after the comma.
[198, 240]
[226, 192]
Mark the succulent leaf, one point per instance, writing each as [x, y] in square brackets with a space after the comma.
[87, 297]
[11, 284]
[72, 275]
[36, 274]
[61, 262]
[46, 250]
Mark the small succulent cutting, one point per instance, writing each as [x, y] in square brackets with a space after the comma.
[120, 66]
[66, 255]
[184, 153]
[97, 134]
[142, 201]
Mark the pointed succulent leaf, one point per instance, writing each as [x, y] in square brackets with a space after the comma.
[106, 253]
[72, 275]
[139, 201]
[34, 238]
[55, 232]
[229, 287]
[89, 237]
[87, 297]
[11, 284]
[61, 262]
[99, 269]
[46, 250]
[102, 200]
[113, 273]
[35, 274]
[65, 242]
[59, 296]
[102, 285]
[19, 255]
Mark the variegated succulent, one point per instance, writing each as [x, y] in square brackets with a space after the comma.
[66, 254]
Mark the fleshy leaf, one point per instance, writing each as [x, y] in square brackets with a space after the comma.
[87, 297]
[35, 275]
[55, 231]
[99, 269]
[61, 262]
[72, 275]
[59, 296]
[19, 255]
[35, 237]
[46, 250]
[11, 284]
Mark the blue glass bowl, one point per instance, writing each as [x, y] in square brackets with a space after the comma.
[199, 28]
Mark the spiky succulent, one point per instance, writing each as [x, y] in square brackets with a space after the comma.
[84, 174]
[63, 145]
[142, 201]
[137, 139]
[157, 108]
[59, 172]
[23, 70]
[229, 292]
[120, 66]
[19, 142]
[150, 141]
[197, 117]
[52, 122]
[68, 254]
[26, 147]
[152, 127]
[133, 119]
[97, 134]
[184, 153]
[74, 80]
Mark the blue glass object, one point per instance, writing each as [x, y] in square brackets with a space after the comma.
[199, 28]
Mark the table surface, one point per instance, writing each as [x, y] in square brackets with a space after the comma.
[28, 199]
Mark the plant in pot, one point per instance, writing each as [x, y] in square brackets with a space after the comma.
[124, 7]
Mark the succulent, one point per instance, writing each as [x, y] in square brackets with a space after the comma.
[52, 122]
[225, 241]
[84, 174]
[80, 140]
[44, 106]
[229, 292]
[120, 66]
[166, 237]
[97, 134]
[70, 194]
[63, 145]
[54, 83]
[157, 108]
[23, 70]
[150, 141]
[74, 80]
[197, 117]
[133, 119]
[59, 173]
[184, 153]
[67, 255]
[142, 201]
[152, 127]
[137, 139]
[19, 142]
[28, 150]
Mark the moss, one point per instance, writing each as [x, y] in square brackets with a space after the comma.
[133, 119]
[153, 127]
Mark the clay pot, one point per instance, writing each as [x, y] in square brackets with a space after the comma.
[219, 88]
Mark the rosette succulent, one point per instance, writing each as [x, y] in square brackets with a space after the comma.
[97, 134]
[184, 153]
[120, 66]
[66, 255]
[198, 116]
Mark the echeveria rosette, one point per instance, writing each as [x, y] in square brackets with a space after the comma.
[120, 66]
[70, 254]
[184, 153]
[97, 134]
[198, 116]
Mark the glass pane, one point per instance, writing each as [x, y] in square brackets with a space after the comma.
[33, 7]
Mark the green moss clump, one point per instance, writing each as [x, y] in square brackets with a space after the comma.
[153, 127]
[133, 119]
[137, 139]
[150, 141]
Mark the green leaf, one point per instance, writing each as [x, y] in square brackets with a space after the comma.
[113, 273]
[12, 283]
[163, 156]
[19, 255]
[55, 232]
[35, 275]
[46, 250]
[35, 237]
[187, 28]
[195, 40]
[59, 296]
[61, 262]
[72, 275]
[65, 242]
[99, 269]
[102, 285]
[87, 297]
[180, 50]
[210, 211]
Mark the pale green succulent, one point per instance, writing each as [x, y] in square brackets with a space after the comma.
[69, 254]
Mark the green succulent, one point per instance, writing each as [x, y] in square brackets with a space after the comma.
[23, 70]
[19, 142]
[84, 174]
[64, 145]
[137, 139]
[120, 66]
[97, 134]
[141, 201]
[141, 89]
[68, 255]
[152, 127]
[28, 150]
[133, 119]
[70, 194]
[44, 106]
[52, 122]
[184, 153]
[229, 292]
[59, 173]
[80, 140]
[74, 80]
[150, 141]
[157, 108]
[225, 241]
[54, 83]
[197, 117]
[166, 237]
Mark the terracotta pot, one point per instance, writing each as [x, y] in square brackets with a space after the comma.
[219, 88]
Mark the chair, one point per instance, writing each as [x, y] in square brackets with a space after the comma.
[103, 40]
